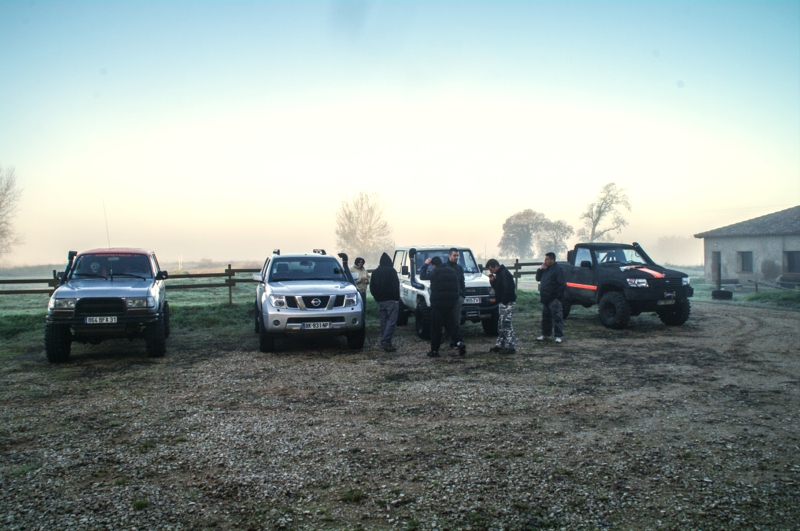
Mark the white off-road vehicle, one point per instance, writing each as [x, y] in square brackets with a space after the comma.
[307, 294]
[480, 303]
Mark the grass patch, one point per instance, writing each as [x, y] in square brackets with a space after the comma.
[24, 469]
[782, 299]
[352, 495]
[140, 504]
[12, 325]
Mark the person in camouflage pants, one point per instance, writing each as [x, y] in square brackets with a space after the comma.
[505, 290]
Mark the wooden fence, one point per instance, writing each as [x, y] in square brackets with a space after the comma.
[228, 277]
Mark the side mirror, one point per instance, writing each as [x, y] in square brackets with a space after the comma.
[257, 277]
[404, 270]
[586, 263]
[480, 268]
[60, 275]
[162, 275]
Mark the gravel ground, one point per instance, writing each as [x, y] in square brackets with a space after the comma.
[694, 427]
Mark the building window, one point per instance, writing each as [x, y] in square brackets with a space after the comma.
[792, 261]
[745, 259]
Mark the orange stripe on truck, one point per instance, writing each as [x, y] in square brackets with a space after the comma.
[581, 286]
[655, 274]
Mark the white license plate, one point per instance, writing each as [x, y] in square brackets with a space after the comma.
[666, 302]
[101, 320]
[472, 300]
[316, 326]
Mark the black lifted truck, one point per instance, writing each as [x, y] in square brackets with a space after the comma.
[623, 281]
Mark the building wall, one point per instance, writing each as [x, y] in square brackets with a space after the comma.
[763, 248]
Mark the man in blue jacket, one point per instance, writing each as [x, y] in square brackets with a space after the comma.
[552, 286]
[444, 295]
[385, 289]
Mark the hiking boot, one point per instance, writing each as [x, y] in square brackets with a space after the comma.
[542, 338]
[433, 354]
[508, 351]
[558, 340]
[389, 348]
[495, 349]
[462, 349]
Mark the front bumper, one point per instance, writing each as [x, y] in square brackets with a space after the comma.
[653, 295]
[296, 321]
[127, 325]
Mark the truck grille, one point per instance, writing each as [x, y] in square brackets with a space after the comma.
[664, 283]
[100, 306]
[478, 291]
[291, 302]
[323, 302]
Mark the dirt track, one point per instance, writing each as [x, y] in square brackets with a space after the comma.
[694, 427]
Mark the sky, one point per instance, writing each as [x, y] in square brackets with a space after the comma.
[225, 129]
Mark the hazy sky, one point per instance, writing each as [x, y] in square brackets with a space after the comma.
[224, 129]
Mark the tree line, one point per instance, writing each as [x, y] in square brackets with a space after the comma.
[361, 229]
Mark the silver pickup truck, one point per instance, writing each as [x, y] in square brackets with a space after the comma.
[104, 294]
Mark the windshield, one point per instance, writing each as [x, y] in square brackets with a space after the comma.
[619, 256]
[465, 259]
[106, 265]
[305, 268]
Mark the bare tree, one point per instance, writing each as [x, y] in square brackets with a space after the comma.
[609, 200]
[361, 229]
[9, 197]
[552, 237]
[519, 232]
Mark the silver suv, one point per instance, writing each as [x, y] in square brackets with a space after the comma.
[307, 294]
[104, 294]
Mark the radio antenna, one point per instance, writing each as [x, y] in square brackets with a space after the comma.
[108, 238]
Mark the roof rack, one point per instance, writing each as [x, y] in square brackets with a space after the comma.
[276, 251]
[319, 251]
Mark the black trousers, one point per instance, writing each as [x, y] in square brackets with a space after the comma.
[443, 316]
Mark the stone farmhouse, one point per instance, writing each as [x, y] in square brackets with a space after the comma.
[763, 248]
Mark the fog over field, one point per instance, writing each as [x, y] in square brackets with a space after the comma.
[223, 130]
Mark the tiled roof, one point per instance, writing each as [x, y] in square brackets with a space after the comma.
[776, 224]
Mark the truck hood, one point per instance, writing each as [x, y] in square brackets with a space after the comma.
[651, 271]
[311, 287]
[123, 287]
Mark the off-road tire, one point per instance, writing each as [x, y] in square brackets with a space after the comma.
[721, 295]
[355, 340]
[422, 317]
[402, 315]
[565, 308]
[57, 342]
[266, 341]
[677, 314]
[614, 311]
[491, 326]
[166, 320]
[155, 339]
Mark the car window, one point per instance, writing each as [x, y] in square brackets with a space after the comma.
[284, 269]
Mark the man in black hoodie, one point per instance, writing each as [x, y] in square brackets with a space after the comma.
[552, 287]
[506, 293]
[452, 262]
[444, 294]
[385, 289]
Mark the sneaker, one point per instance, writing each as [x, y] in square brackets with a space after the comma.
[433, 354]
[508, 351]
[389, 348]
[558, 340]
[462, 349]
[542, 338]
[495, 349]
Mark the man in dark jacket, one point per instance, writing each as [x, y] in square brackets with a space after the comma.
[506, 292]
[452, 262]
[552, 286]
[444, 294]
[385, 289]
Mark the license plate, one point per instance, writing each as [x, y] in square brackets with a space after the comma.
[101, 320]
[316, 326]
[666, 302]
[472, 300]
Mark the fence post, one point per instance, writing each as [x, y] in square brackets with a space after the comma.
[516, 273]
[230, 285]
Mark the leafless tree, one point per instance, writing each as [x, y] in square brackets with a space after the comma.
[609, 200]
[361, 229]
[552, 237]
[9, 198]
[519, 233]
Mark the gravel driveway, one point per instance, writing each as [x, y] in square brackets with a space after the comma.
[693, 427]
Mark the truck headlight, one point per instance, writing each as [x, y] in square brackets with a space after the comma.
[637, 282]
[141, 302]
[278, 301]
[62, 304]
[685, 281]
[350, 300]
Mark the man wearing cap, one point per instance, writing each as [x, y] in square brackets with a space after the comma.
[363, 277]
[444, 294]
